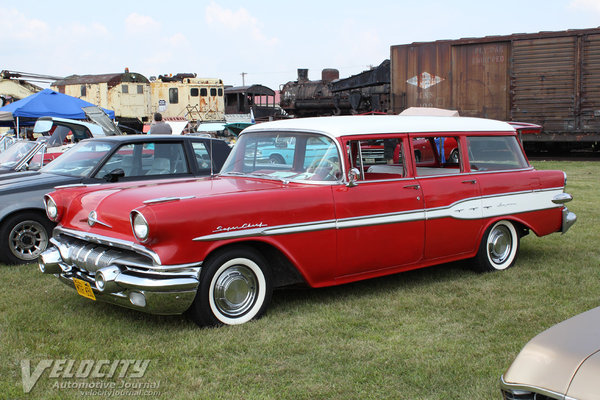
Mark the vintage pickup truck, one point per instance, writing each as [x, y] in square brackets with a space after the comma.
[330, 214]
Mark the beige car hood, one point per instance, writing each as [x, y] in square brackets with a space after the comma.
[551, 359]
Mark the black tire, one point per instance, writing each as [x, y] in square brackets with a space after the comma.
[23, 237]
[499, 247]
[276, 159]
[235, 287]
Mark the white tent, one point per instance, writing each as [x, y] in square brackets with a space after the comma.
[6, 116]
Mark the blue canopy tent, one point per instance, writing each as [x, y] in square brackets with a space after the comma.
[46, 103]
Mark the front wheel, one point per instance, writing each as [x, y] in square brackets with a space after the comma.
[499, 247]
[235, 287]
[23, 237]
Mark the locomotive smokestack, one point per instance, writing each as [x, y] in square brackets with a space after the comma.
[302, 75]
[330, 74]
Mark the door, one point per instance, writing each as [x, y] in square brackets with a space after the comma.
[380, 221]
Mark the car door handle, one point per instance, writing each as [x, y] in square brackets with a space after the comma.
[473, 181]
[416, 187]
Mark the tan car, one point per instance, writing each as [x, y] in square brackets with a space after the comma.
[562, 362]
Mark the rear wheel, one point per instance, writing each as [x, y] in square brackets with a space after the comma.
[23, 237]
[499, 247]
[235, 287]
[276, 159]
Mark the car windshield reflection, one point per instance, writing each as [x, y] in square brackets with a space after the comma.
[80, 160]
[285, 156]
[15, 153]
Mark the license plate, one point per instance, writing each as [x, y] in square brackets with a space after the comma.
[84, 289]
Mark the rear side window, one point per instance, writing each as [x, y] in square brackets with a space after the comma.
[491, 153]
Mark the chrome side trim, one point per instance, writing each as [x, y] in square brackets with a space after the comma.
[470, 208]
[74, 185]
[167, 199]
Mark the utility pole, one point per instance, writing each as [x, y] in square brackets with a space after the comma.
[243, 74]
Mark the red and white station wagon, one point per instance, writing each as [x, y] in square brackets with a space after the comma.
[351, 202]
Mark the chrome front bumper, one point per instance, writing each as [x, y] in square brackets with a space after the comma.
[119, 277]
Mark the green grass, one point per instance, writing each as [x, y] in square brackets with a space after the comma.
[443, 332]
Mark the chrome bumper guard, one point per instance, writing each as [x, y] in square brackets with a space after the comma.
[121, 278]
[568, 218]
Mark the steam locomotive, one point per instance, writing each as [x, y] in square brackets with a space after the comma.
[366, 92]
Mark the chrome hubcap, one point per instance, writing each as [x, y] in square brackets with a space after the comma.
[27, 240]
[235, 291]
[499, 244]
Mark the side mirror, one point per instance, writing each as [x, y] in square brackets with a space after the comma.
[114, 175]
[353, 176]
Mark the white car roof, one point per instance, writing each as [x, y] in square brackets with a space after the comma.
[377, 124]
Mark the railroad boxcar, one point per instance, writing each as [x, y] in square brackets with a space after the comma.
[546, 78]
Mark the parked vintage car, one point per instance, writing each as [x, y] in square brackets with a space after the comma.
[22, 155]
[563, 362]
[24, 227]
[336, 219]
[54, 137]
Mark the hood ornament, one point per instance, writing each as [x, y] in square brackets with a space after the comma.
[93, 219]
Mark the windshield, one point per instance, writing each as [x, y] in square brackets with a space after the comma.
[15, 153]
[285, 156]
[80, 160]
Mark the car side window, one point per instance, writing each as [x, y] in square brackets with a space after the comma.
[121, 159]
[377, 159]
[492, 153]
[202, 156]
[436, 155]
[163, 158]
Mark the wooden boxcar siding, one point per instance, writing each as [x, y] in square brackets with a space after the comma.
[544, 83]
[590, 78]
[549, 78]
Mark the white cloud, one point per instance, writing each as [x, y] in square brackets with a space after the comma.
[237, 21]
[17, 26]
[593, 5]
[177, 40]
[136, 23]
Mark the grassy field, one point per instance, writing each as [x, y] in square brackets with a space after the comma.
[443, 332]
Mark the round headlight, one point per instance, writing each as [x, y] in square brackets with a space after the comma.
[51, 208]
[140, 226]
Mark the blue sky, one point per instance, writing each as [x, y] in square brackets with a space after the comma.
[268, 40]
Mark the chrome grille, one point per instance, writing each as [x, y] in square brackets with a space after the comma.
[90, 257]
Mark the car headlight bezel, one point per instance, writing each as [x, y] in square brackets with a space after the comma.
[51, 207]
[139, 226]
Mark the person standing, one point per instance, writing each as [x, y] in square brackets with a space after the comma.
[160, 127]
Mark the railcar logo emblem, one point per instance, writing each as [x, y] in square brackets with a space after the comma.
[425, 80]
